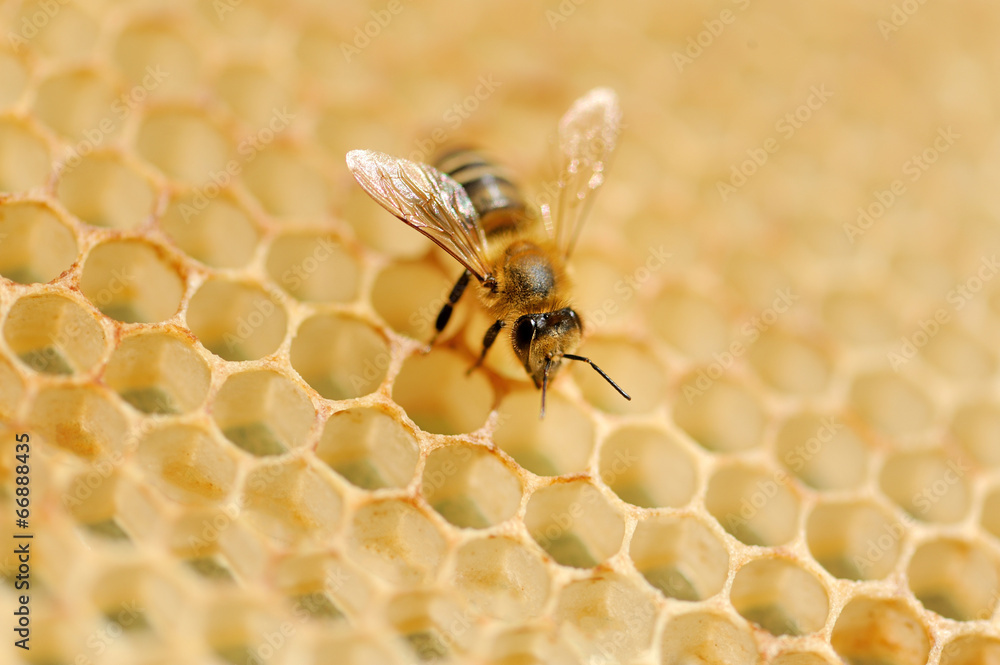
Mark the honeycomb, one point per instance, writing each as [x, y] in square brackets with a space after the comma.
[240, 454]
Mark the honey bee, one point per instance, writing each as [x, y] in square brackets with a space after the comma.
[472, 211]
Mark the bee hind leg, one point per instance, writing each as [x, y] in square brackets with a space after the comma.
[488, 339]
[445, 314]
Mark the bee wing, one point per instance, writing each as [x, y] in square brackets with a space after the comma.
[427, 200]
[588, 133]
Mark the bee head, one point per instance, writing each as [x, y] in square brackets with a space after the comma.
[540, 340]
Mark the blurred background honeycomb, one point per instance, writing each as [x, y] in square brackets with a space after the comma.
[239, 454]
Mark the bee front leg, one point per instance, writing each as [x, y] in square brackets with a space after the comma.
[445, 314]
[488, 339]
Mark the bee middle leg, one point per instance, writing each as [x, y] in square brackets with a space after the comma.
[488, 339]
[445, 314]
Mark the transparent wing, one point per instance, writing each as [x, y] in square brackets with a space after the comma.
[588, 134]
[427, 200]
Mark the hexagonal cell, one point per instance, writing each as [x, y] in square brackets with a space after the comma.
[502, 578]
[183, 144]
[891, 404]
[24, 157]
[689, 322]
[352, 649]
[68, 31]
[559, 444]
[470, 486]
[606, 616]
[971, 650]
[959, 355]
[102, 189]
[823, 451]
[440, 396]
[530, 645]
[409, 295]
[956, 579]
[397, 542]
[877, 630]
[187, 463]
[291, 500]
[704, 637]
[574, 523]
[755, 506]
[859, 318]
[237, 321]
[339, 356]
[434, 626]
[976, 427]
[324, 586]
[369, 448]
[991, 512]
[133, 598]
[38, 246]
[854, 541]
[53, 334]
[647, 468]
[158, 373]
[314, 267]
[679, 556]
[157, 58]
[780, 596]
[130, 280]
[76, 103]
[928, 485]
[632, 367]
[12, 80]
[111, 505]
[251, 92]
[789, 363]
[718, 414]
[214, 230]
[263, 412]
[285, 182]
[81, 419]
[11, 390]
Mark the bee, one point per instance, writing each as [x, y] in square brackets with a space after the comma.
[472, 211]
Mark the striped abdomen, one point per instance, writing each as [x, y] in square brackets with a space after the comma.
[495, 198]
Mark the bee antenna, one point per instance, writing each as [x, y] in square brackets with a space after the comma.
[545, 384]
[599, 371]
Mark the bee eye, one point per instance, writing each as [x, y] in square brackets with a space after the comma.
[523, 332]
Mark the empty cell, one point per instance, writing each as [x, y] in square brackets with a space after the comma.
[369, 447]
[81, 419]
[291, 501]
[780, 596]
[976, 427]
[718, 414]
[531, 644]
[561, 443]
[440, 396]
[679, 556]
[574, 523]
[879, 630]
[185, 146]
[157, 60]
[689, 322]
[991, 512]
[470, 486]
[395, 541]
[11, 390]
[53, 334]
[214, 230]
[78, 104]
[957, 579]
[959, 356]
[631, 366]
[284, 181]
[858, 317]
[705, 637]
[158, 373]
[188, 463]
[25, 160]
[314, 267]
[434, 625]
[790, 364]
[37, 245]
[971, 650]
[854, 540]
[755, 506]
[103, 189]
[237, 321]
[263, 412]
[132, 281]
[502, 578]
[409, 295]
[65, 30]
[382, 232]
[891, 404]
[251, 92]
[647, 468]
[12, 79]
[341, 357]
[824, 451]
[928, 485]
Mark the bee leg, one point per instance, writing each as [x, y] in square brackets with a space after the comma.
[488, 339]
[445, 314]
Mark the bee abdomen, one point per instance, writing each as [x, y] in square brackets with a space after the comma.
[487, 186]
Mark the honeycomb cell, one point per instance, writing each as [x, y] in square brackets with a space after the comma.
[790, 364]
[606, 616]
[251, 92]
[11, 390]
[530, 645]
[37, 245]
[858, 317]
[433, 625]
[633, 368]
[854, 540]
[502, 578]
[25, 161]
[689, 322]
[158, 373]
[780, 596]
[958, 580]
[134, 599]
[284, 182]
[292, 500]
[679, 556]
[991, 512]
[102, 189]
[340, 357]
[959, 355]
[891, 404]
[54, 335]
[64, 30]
[131, 281]
[396, 542]
[78, 104]
[324, 586]
[574, 523]
[470, 486]
[117, 508]
[314, 267]
[13, 78]
[409, 296]
[184, 145]
[800, 658]
[928, 485]
[876, 630]
[971, 650]
[237, 321]
[382, 232]
[559, 444]
[719, 415]
[703, 637]
[369, 448]
[263, 412]
[440, 396]
[823, 451]
[647, 468]
[214, 230]
[753, 505]
[156, 60]
[188, 463]
[976, 427]
[352, 649]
